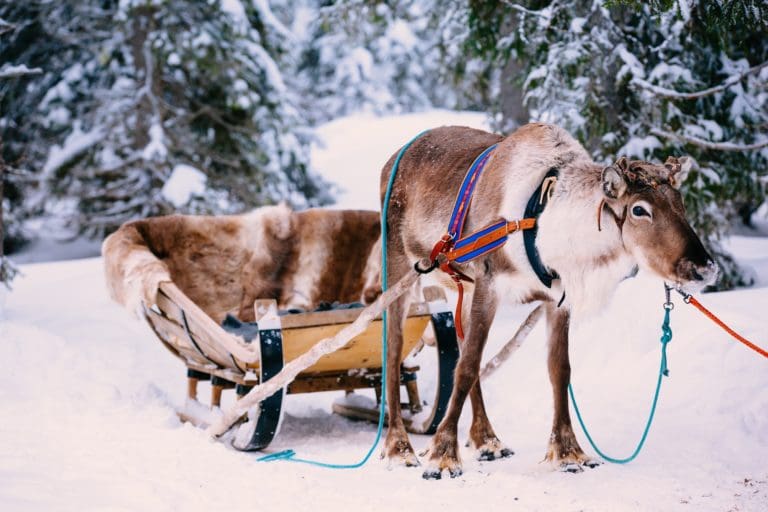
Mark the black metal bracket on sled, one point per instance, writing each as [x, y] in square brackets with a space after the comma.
[270, 364]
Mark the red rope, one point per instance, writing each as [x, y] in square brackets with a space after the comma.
[708, 313]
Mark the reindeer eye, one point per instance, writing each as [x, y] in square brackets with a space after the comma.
[639, 211]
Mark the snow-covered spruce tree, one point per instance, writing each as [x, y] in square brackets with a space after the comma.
[10, 225]
[142, 88]
[360, 55]
[646, 81]
[7, 269]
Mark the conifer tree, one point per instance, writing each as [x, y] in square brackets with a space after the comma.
[137, 89]
[374, 57]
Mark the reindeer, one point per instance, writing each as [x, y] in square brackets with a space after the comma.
[599, 224]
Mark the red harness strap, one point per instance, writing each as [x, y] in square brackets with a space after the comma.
[453, 248]
[482, 241]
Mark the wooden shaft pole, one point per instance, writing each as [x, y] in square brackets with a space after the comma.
[309, 358]
[514, 343]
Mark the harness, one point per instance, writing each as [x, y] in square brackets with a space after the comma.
[455, 248]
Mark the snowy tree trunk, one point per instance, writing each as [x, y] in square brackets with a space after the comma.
[142, 26]
[7, 270]
[513, 110]
[2, 191]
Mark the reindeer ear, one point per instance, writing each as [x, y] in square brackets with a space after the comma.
[614, 184]
[678, 169]
[622, 164]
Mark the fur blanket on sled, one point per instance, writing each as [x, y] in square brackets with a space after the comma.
[224, 263]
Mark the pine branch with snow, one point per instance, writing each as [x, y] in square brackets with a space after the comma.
[134, 91]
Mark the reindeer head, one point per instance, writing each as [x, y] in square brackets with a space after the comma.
[646, 203]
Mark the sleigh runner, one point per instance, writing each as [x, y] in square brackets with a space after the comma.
[211, 353]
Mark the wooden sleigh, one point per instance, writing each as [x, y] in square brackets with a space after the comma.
[211, 353]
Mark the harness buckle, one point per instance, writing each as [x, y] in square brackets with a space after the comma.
[427, 270]
[668, 304]
[679, 289]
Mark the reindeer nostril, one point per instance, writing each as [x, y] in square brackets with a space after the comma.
[689, 271]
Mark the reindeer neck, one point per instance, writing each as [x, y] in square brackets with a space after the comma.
[590, 262]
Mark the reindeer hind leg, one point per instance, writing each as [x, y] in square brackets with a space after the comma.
[443, 453]
[397, 447]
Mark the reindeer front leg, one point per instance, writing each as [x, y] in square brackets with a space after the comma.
[564, 449]
[443, 453]
[482, 437]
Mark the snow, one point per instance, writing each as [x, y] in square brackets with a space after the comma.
[155, 149]
[352, 150]
[671, 73]
[269, 19]
[184, 182]
[58, 116]
[234, 8]
[400, 32]
[641, 147]
[88, 399]
[75, 143]
[11, 71]
[631, 64]
[269, 66]
[577, 25]
[61, 91]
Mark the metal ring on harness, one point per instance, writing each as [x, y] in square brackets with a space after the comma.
[429, 269]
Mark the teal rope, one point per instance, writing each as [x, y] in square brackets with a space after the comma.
[290, 455]
[666, 337]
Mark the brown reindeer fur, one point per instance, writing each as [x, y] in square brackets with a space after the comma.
[224, 263]
[643, 223]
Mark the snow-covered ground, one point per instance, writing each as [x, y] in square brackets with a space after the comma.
[88, 398]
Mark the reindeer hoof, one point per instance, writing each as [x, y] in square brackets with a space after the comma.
[571, 467]
[492, 450]
[437, 465]
[578, 466]
[437, 474]
[487, 455]
[400, 453]
[408, 460]
[442, 454]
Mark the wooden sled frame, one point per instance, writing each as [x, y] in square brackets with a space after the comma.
[210, 353]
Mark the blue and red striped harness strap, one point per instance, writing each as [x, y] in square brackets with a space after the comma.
[452, 247]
